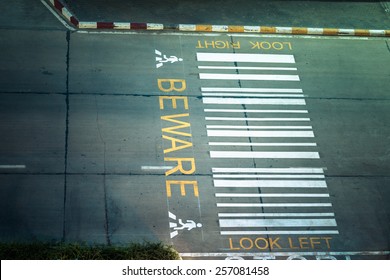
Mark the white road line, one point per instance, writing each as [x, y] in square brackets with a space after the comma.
[236, 154]
[223, 94]
[17, 166]
[250, 77]
[258, 133]
[226, 215]
[223, 223]
[268, 170]
[229, 89]
[240, 205]
[270, 184]
[249, 68]
[245, 57]
[258, 119]
[268, 176]
[156, 167]
[271, 195]
[255, 111]
[253, 101]
[286, 254]
[280, 232]
[262, 144]
[256, 127]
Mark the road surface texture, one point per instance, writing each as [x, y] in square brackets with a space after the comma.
[223, 145]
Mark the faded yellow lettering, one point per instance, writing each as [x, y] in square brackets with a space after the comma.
[174, 146]
[173, 101]
[179, 165]
[274, 243]
[302, 242]
[171, 83]
[248, 241]
[231, 245]
[172, 129]
[182, 185]
[327, 241]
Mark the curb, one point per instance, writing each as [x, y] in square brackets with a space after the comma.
[72, 19]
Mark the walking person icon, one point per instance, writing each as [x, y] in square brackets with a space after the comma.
[161, 59]
[180, 225]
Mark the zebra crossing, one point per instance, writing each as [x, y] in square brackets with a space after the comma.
[265, 121]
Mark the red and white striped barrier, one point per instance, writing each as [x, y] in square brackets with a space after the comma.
[72, 19]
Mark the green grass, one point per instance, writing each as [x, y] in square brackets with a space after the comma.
[68, 251]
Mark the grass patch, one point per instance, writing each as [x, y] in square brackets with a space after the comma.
[74, 251]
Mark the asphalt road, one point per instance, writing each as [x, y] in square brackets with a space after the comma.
[223, 145]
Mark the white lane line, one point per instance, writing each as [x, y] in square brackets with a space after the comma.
[286, 254]
[250, 77]
[252, 94]
[249, 68]
[236, 154]
[262, 144]
[148, 168]
[239, 205]
[258, 119]
[245, 57]
[223, 223]
[253, 101]
[268, 170]
[280, 232]
[270, 184]
[271, 195]
[258, 133]
[268, 176]
[257, 127]
[255, 111]
[229, 89]
[226, 215]
[17, 166]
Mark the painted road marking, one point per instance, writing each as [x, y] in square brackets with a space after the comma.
[267, 170]
[258, 133]
[17, 166]
[251, 154]
[271, 195]
[150, 168]
[267, 176]
[277, 223]
[300, 192]
[257, 127]
[258, 119]
[229, 89]
[243, 57]
[255, 111]
[272, 255]
[269, 183]
[247, 205]
[248, 68]
[254, 101]
[280, 232]
[224, 94]
[262, 144]
[322, 214]
[252, 77]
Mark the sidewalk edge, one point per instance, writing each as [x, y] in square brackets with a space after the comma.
[60, 8]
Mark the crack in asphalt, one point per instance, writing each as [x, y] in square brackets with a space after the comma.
[66, 134]
[106, 226]
[188, 95]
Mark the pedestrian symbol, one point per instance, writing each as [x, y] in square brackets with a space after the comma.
[162, 58]
[177, 225]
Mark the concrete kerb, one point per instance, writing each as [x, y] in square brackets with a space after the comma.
[60, 8]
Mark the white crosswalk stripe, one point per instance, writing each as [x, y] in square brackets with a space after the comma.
[262, 123]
